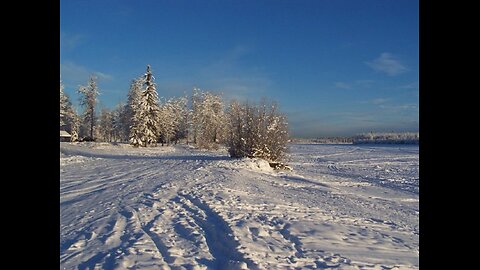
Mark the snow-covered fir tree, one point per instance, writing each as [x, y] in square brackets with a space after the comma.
[132, 121]
[89, 101]
[68, 118]
[149, 111]
[75, 131]
[63, 106]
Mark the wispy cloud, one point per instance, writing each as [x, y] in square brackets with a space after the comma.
[354, 84]
[69, 42]
[227, 75]
[103, 76]
[389, 105]
[72, 74]
[400, 107]
[343, 85]
[413, 85]
[387, 63]
[378, 101]
[364, 83]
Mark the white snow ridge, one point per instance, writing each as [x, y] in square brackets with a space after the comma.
[342, 207]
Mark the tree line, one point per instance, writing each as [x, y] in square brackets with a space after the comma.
[246, 128]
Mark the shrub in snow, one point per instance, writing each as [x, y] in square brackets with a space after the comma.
[173, 120]
[208, 119]
[256, 131]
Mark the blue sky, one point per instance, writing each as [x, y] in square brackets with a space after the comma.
[335, 67]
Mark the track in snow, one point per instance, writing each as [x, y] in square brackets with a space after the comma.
[178, 208]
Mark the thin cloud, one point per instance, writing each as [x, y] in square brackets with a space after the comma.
[387, 63]
[73, 74]
[413, 85]
[227, 75]
[243, 87]
[343, 85]
[354, 84]
[402, 107]
[70, 42]
[364, 83]
[103, 76]
[379, 101]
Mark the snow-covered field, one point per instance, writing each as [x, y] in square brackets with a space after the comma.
[342, 207]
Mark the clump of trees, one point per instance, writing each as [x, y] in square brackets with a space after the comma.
[88, 101]
[387, 138]
[208, 119]
[246, 129]
[69, 120]
[259, 131]
[174, 120]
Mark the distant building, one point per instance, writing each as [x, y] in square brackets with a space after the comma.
[65, 136]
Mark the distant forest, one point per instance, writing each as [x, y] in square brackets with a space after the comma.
[367, 138]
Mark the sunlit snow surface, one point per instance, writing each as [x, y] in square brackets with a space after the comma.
[342, 207]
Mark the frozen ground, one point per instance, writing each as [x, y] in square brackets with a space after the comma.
[342, 207]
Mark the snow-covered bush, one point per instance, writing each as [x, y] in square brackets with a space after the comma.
[208, 119]
[173, 120]
[256, 131]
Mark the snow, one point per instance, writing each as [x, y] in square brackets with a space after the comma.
[342, 206]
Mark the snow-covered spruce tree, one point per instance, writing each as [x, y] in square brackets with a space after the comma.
[63, 106]
[149, 111]
[75, 131]
[89, 101]
[208, 119]
[69, 120]
[131, 119]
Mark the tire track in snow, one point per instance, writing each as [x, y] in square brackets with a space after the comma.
[183, 205]
[161, 247]
[219, 236]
